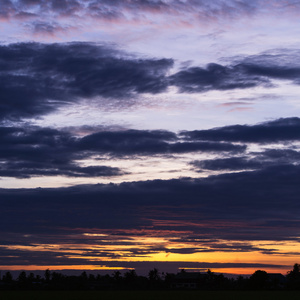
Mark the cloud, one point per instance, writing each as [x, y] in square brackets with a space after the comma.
[6, 8]
[32, 151]
[128, 142]
[46, 258]
[31, 169]
[232, 163]
[279, 64]
[85, 224]
[148, 142]
[215, 77]
[255, 161]
[269, 132]
[46, 27]
[38, 78]
[27, 152]
[245, 74]
[282, 155]
[103, 8]
[241, 72]
[219, 207]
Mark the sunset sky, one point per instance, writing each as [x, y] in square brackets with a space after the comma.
[150, 134]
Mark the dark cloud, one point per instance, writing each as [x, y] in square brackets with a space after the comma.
[242, 72]
[222, 213]
[146, 142]
[269, 132]
[276, 64]
[38, 78]
[128, 142]
[273, 71]
[286, 155]
[206, 147]
[47, 258]
[34, 151]
[263, 204]
[31, 169]
[215, 77]
[255, 161]
[232, 163]
[241, 76]
[43, 152]
[208, 246]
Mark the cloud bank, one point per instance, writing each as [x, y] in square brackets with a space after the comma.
[232, 212]
[34, 151]
[37, 79]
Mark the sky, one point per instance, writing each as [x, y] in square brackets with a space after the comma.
[141, 134]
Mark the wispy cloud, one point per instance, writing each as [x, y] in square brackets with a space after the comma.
[107, 10]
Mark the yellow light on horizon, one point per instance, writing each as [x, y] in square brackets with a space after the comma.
[60, 267]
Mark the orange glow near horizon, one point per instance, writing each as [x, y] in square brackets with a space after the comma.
[242, 271]
[148, 245]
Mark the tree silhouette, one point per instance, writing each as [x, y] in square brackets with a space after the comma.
[22, 277]
[130, 275]
[259, 280]
[154, 279]
[293, 277]
[47, 275]
[31, 278]
[153, 275]
[7, 277]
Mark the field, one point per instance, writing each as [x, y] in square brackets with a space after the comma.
[149, 295]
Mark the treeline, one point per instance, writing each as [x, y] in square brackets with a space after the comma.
[259, 280]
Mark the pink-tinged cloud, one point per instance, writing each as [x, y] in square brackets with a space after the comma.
[152, 12]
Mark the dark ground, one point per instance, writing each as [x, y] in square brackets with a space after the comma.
[145, 295]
